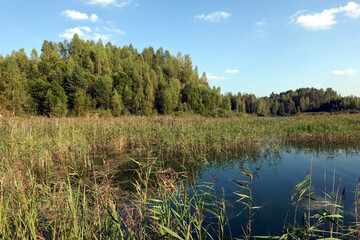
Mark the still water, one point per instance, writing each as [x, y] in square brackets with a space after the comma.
[275, 177]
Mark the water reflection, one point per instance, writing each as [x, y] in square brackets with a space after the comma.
[276, 172]
[276, 175]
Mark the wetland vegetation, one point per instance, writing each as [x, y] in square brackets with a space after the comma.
[60, 177]
[129, 166]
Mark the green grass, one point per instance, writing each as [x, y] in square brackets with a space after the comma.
[54, 185]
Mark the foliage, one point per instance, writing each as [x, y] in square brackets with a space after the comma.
[79, 77]
[51, 186]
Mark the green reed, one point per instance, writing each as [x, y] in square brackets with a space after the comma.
[51, 188]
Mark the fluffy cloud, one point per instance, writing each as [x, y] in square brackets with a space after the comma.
[344, 72]
[231, 71]
[317, 21]
[352, 10]
[75, 15]
[104, 33]
[81, 31]
[326, 18]
[213, 77]
[214, 17]
[105, 3]
[93, 18]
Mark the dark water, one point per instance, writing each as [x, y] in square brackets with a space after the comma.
[274, 182]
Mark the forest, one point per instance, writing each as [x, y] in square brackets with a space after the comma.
[80, 78]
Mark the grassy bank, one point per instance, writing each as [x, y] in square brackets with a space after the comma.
[51, 187]
[61, 139]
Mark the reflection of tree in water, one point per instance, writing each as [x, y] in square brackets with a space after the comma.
[122, 170]
[253, 160]
[269, 156]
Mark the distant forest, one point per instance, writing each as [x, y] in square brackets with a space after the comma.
[81, 77]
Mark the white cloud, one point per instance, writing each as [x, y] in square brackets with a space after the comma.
[213, 77]
[326, 18]
[75, 15]
[103, 37]
[81, 31]
[214, 17]
[231, 71]
[352, 10]
[87, 33]
[113, 28]
[317, 21]
[105, 3]
[260, 23]
[93, 18]
[318, 86]
[344, 72]
[260, 32]
[87, 29]
[260, 28]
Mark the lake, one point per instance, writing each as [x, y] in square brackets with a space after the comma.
[275, 176]
[276, 173]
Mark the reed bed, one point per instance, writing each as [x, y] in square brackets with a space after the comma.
[52, 188]
[66, 138]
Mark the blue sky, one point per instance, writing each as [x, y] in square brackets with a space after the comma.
[252, 46]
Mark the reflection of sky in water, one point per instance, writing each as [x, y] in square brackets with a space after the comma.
[275, 178]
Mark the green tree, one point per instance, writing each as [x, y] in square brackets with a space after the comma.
[12, 87]
[73, 83]
[34, 56]
[226, 104]
[80, 102]
[139, 100]
[190, 95]
[101, 94]
[117, 105]
[128, 97]
[54, 106]
[149, 96]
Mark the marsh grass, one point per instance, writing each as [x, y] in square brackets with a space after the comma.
[51, 187]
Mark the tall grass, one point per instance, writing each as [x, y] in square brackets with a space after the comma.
[54, 186]
[41, 139]
[72, 208]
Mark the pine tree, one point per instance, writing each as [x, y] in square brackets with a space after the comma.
[101, 94]
[73, 83]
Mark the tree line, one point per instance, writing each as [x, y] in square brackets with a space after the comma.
[293, 102]
[81, 77]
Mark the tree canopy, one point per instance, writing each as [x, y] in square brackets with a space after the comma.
[80, 77]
